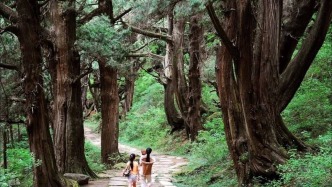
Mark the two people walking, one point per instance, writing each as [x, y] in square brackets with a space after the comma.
[142, 170]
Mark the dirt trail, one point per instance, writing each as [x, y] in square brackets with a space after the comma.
[163, 169]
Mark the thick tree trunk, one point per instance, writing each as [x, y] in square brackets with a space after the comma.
[250, 122]
[37, 123]
[296, 16]
[195, 85]
[178, 74]
[68, 114]
[173, 116]
[253, 90]
[109, 111]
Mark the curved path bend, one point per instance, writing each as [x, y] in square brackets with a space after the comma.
[162, 170]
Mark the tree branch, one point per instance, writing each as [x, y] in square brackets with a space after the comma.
[9, 66]
[296, 16]
[16, 99]
[8, 13]
[96, 12]
[163, 37]
[147, 43]
[82, 75]
[43, 3]
[149, 71]
[221, 32]
[13, 29]
[293, 75]
[157, 57]
[81, 7]
[11, 121]
[114, 20]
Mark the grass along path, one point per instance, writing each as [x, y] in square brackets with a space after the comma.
[162, 170]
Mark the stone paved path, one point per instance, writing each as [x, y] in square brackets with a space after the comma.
[162, 170]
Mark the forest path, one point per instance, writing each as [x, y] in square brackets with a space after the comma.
[162, 170]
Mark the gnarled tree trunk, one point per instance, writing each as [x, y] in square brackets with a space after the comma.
[68, 114]
[37, 123]
[173, 116]
[255, 85]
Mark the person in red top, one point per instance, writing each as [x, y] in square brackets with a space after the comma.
[134, 172]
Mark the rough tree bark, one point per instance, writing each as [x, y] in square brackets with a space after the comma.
[68, 114]
[257, 78]
[195, 85]
[173, 116]
[109, 111]
[178, 78]
[37, 123]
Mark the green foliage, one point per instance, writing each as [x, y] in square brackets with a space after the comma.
[142, 128]
[93, 122]
[146, 120]
[310, 169]
[144, 8]
[211, 40]
[118, 160]
[98, 38]
[309, 113]
[93, 157]
[210, 98]
[208, 71]
[157, 47]
[309, 117]
[20, 166]
[209, 162]
[145, 125]
[9, 49]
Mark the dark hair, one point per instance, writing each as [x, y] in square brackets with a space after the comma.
[132, 158]
[148, 152]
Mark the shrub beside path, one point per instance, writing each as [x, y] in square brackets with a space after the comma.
[162, 170]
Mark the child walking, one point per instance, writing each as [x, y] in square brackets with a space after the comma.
[134, 172]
